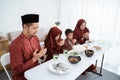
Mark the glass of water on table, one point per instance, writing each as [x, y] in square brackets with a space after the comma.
[65, 52]
[55, 57]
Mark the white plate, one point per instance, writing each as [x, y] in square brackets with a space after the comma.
[51, 68]
[79, 48]
[69, 53]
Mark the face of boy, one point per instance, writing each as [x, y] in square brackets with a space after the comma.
[70, 36]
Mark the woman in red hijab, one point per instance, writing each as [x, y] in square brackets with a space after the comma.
[81, 32]
[53, 42]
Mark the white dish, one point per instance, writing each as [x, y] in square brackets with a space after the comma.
[79, 48]
[61, 68]
[70, 53]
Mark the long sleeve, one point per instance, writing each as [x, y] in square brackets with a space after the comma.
[78, 36]
[67, 45]
[21, 54]
[52, 51]
[18, 64]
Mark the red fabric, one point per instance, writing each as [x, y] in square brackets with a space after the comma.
[21, 53]
[51, 44]
[90, 69]
[68, 44]
[77, 34]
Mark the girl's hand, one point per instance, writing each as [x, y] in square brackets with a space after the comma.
[87, 35]
[61, 43]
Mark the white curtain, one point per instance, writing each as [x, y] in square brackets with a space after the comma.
[102, 17]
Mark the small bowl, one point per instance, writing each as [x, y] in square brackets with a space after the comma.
[89, 53]
[74, 59]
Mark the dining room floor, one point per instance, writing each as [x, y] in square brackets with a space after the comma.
[106, 75]
[112, 59]
[111, 67]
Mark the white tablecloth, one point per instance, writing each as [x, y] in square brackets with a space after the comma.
[41, 72]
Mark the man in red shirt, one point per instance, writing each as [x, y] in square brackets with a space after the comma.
[25, 50]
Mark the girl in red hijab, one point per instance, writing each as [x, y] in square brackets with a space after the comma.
[53, 42]
[81, 32]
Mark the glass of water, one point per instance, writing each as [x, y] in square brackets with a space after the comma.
[65, 52]
[55, 56]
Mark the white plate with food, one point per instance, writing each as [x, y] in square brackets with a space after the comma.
[97, 48]
[89, 41]
[73, 53]
[79, 48]
[74, 56]
[59, 67]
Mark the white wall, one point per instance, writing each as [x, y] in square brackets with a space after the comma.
[102, 17]
[11, 11]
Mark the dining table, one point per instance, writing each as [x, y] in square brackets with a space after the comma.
[42, 71]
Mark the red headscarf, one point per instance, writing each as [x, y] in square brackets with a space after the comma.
[50, 39]
[78, 32]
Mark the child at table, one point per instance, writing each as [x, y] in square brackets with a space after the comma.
[53, 42]
[69, 41]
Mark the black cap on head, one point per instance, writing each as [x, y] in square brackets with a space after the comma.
[67, 31]
[30, 18]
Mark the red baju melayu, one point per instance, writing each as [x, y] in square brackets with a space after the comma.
[21, 53]
[68, 44]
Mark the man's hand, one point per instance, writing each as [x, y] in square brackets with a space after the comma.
[38, 55]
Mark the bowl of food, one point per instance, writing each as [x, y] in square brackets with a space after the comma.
[74, 57]
[89, 53]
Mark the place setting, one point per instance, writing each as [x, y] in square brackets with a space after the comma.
[58, 66]
[73, 56]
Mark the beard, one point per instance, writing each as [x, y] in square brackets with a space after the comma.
[32, 35]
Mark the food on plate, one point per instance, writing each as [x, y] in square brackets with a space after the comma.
[89, 41]
[97, 47]
[85, 46]
[74, 59]
[89, 52]
[74, 53]
[61, 67]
